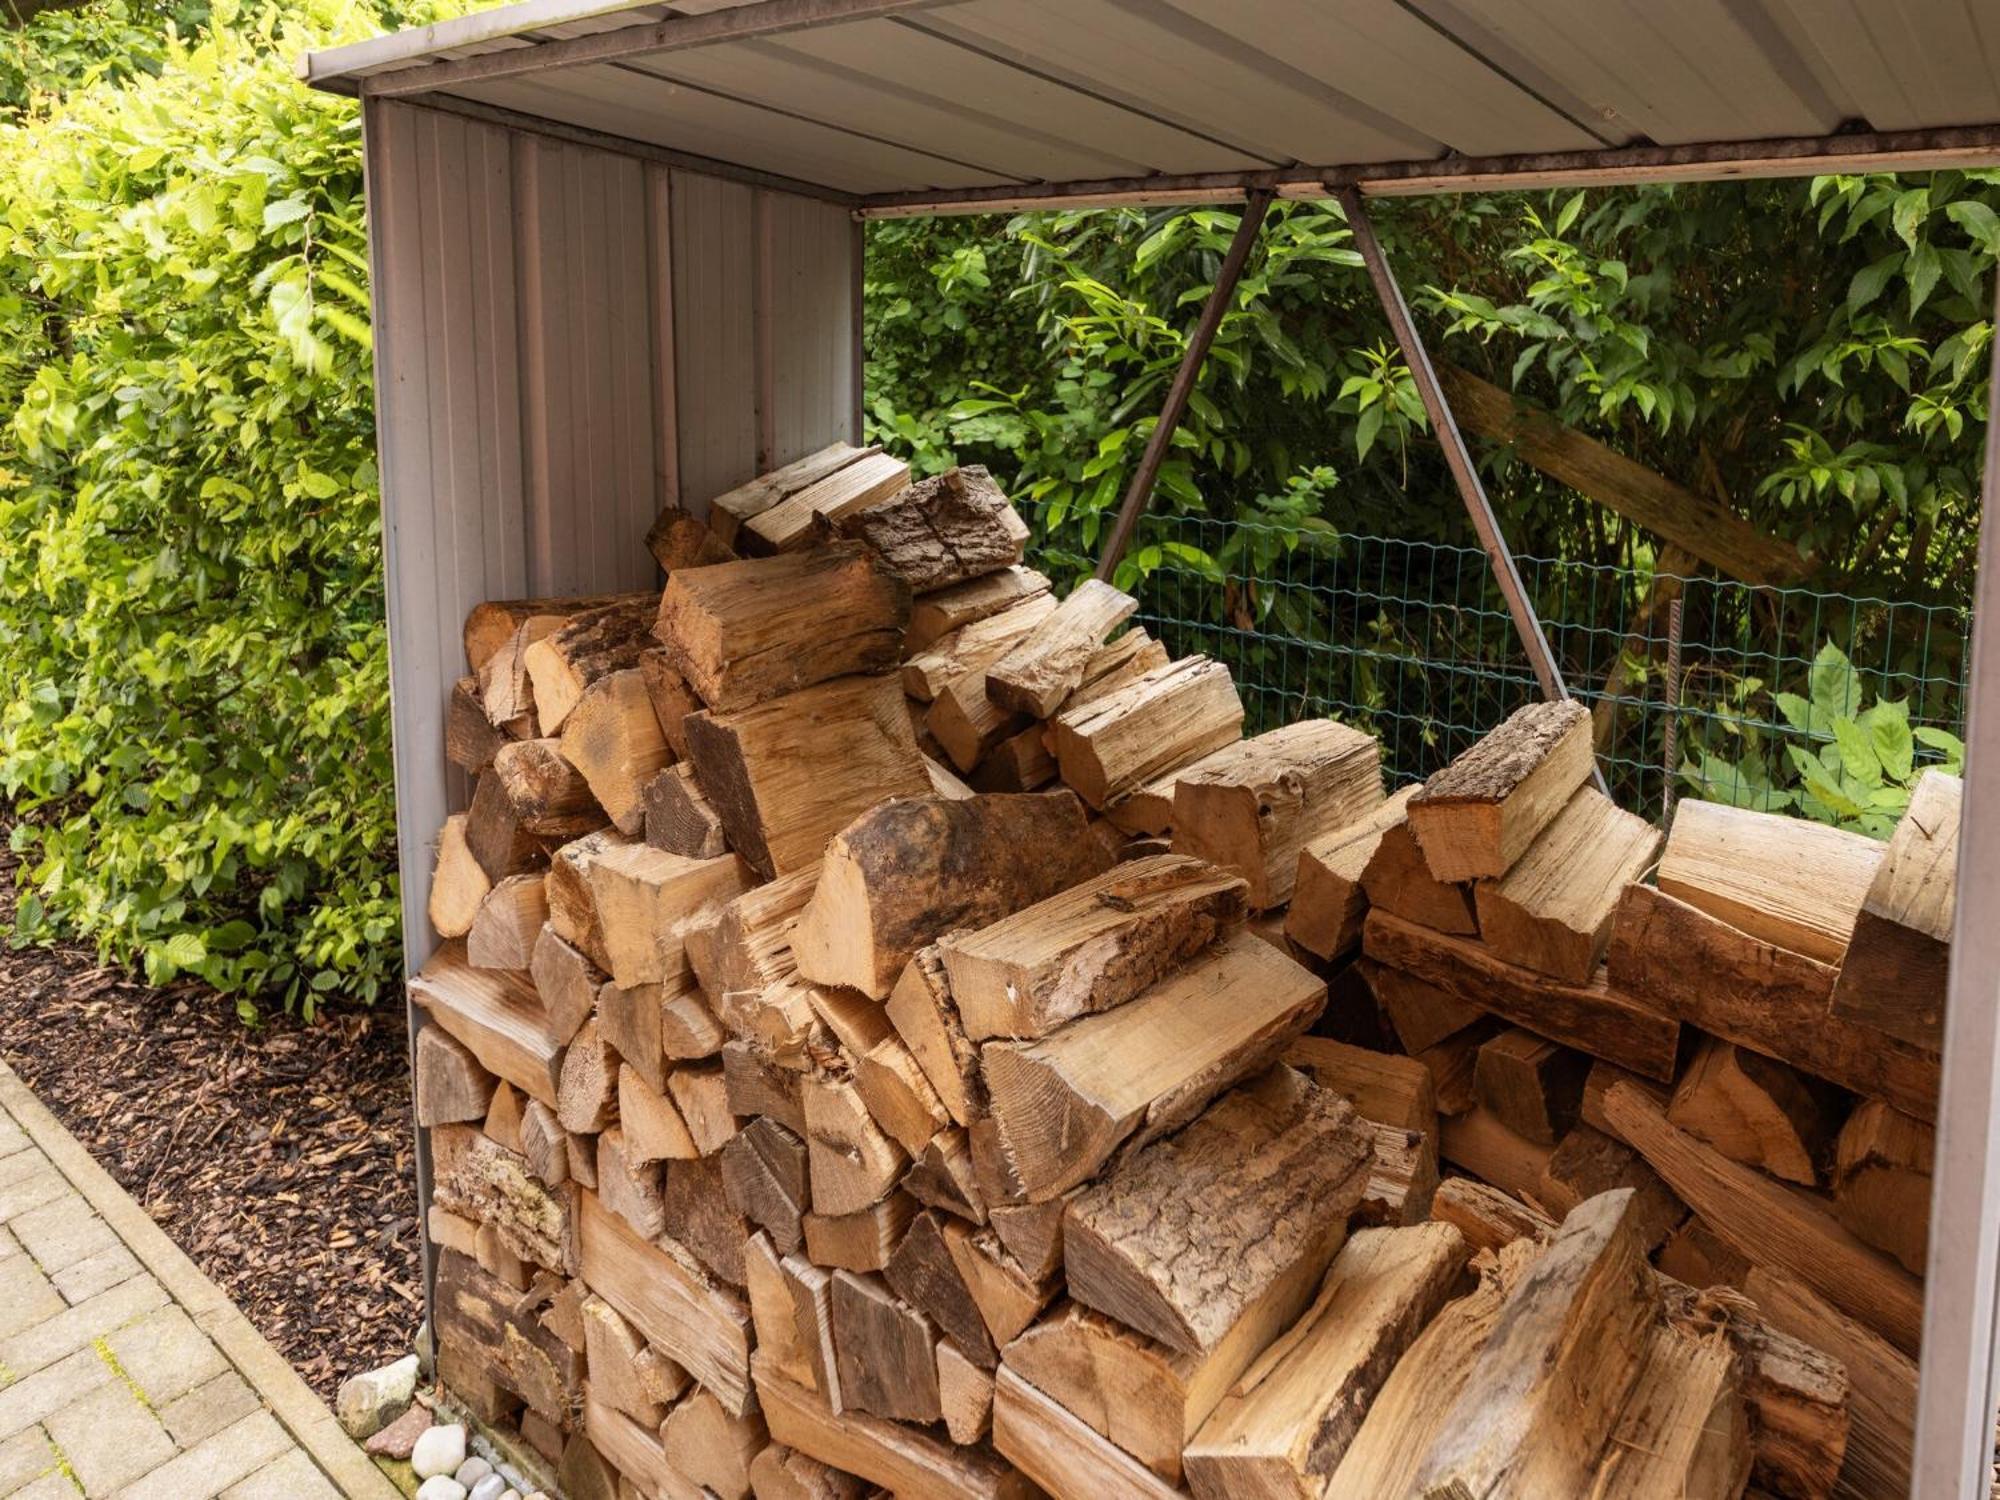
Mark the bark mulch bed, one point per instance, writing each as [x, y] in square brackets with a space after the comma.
[277, 1156]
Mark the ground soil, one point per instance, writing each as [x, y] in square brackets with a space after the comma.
[278, 1156]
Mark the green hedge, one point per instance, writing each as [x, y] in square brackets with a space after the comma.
[196, 745]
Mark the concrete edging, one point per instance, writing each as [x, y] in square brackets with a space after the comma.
[276, 1383]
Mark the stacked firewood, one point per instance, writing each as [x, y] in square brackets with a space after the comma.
[883, 1039]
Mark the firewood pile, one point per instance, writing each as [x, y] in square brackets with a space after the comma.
[894, 1034]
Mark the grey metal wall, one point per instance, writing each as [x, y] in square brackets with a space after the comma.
[568, 338]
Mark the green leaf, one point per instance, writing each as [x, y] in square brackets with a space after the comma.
[1888, 725]
[1822, 786]
[1869, 281]
[186, 951]
[1857, 752]
[1835, 685]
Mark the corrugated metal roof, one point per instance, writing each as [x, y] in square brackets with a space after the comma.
[901, 102]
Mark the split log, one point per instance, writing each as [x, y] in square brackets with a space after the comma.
[548, 795]
[572, 912]
[1769, 999]
[712, 1447]
[1090, 948]
[852, 1163]
[764, 1173]
[495, 837]
[1328, 902]
[491, 625]
[1786, 881]
[587, 1088]
[753, 937]
[1531, 1085]
[497, 1016]
[654, 1129]
[1398, 881]
[869, 479]
[969, 725]
[485, 1182]
[1593, 1018]
[1173, 714]
[1007, 1295]
[1402, 1178]
[624, 1373]
[1881, 1440]
[909, 870]
[1478, 815]
[471, 740]
[1548, 1386]
[1694, 1254]
[861, 1241]
[1031, 1233]
[458, 884]
[779, 792]
[1893, 975]
[544, 1143]
[1882, 1182]
[679, 539]
[921, 1009]
[887, 1351]
[566, 981]
[754, 1085]
[893, 1086]
[744, 632]
[731, 510]
[1552, 911]
[1062, 1454]
[899, 1458]
[646, 900]
[451, 1085]
[613, 739]
[1755, 1110]
[941, 1177]
[1066, 1102]
[507, 924]
[672, 699]
[701, 1093]
[1421, 1014]
[1453, 1062]
[701, 1219]
[681, 1311]
[506, 691]
[971, 646]
[943, 530]
[1047, 665]
[1684, 1433]
[679, 818]
[773, 1313]
[1252, 809]
[1587, 1162]
[1486, 1216]
[1477, 1142]
[630, 1188]
[1598, 1081]
[935, 615]
[923, 1273]
[654, 1026]
[965, 1391]
[1772, 1225]
[588, 646]
[1289, 1419]
[811, 1290]
[781, 1473]
[1387, 1089]
[503, 1115]
[1189, 1238]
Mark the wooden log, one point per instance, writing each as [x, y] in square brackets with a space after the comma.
[936, 614]
[671, 697]
[680, 539]
[506, 692]
[565, 980]
[860, 1241]
[900, 1097]
[942, 530]
[1531, 1085]
[781, 1473]
[924, 1274]
[624, 1373]
[549, 796]
[852, 1163]
[765, 1175]
[495, 837]
[1066, 1102]
[1388, 1089]
[1598, 1081]
[1251, 807]
[586, 647]
[968, 648]
[1186, 1237]
[909, 870]
[773, 1313]
[471, 740]
[887, 1351]
[1419, 1013]
[1685, 1431]
[1398, 881]
[458, 884]
[712, 1447]
[1031, 1233]
[1694, 1254]
[496, 1016]
[1402, 1178]
[1587, 1162]
[1453, 1062]
[683, 1313]
[1755, 1110]
[1882, 1182]
[754, 1085]
[654, 1129]
[1882, 1381]
[492, 624]
[1769, 999]
[654, 1026]
[628, 1187]
[507, 924]
[866, 480]
[484, 1181]
[1478, 815]
[921, 1009]
[587, 1088]
[1893, 975]
[1477, 1142]
[451, 1085]
[941, 1176]
[780, 795]
[679, 818]
[965, 1391]
[1290, 1417]
[700, 1092]
[810, 1288]
[646, 900]
[503, 1115]
[634, 1452]
[1552, 911]
[731, 510]
[1061, 1453]
[900, 1458]
[1328, 902]
[544, 1143]
[1008, 1295]
[1089, 949]
[1594, 1018]
[1114, 744]
[1548, 1386]
[1047, 665]
[744, 632]
[1773, 1226]
[1787, 881]
[1488, 1217]
[613, 739]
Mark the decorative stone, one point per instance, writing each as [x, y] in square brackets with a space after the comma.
[400, 1436]
[370, 1401]
[472, 1471]
[492, 1487]
[438, 1453]
[440, 1487]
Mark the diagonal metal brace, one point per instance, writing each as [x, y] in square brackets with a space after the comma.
[1139, 493]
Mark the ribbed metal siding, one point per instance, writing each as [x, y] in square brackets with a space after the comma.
[567, 339]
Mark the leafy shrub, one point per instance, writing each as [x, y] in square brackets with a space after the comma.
[197, 743]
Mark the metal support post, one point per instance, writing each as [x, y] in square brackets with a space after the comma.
[1139, 494]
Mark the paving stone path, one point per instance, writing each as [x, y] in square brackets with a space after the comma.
[124, 1372]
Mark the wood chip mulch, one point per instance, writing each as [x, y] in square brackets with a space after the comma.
[278, 1157]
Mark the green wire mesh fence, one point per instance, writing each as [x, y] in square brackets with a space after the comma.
[1412, 641]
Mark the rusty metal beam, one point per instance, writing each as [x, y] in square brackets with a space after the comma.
[1139, 493]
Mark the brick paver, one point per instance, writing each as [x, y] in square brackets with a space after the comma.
[114, 1384]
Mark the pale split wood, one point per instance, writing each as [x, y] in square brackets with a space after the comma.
[1398, 881]
[789, 524]
[613, 739]
[646, 899]
[458, 883]
[1061, 1453]
[971, 645]
[712, 1446]
[1486, 1216]
[965, 1391]
[451, 1086]
[654, 1129]
[863, 1240]
[781, 1473]
[1478, 815]
[548, 795]
[572, 913]
[1882, 1181]
[1047, 665]
[587, 1088]
[497, 1016]
[566, 981]
[1531, 1085]
[503, 1116]
[1756, 1110]
[936, 614]
[1684, 1433]
[1173, 714]
[507, 924]
[1328, 901]
[1383, 1087]
[729, 511]
[587, 646]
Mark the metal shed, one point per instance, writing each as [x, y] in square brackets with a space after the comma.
[617, 253]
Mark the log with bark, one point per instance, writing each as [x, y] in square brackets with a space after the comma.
[941, 531]
[1893, 974]
[1478, 815]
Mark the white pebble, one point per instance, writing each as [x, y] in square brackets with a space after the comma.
[438, 1453]
[440, 1487]
[472, 1471]
[492, 1487]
